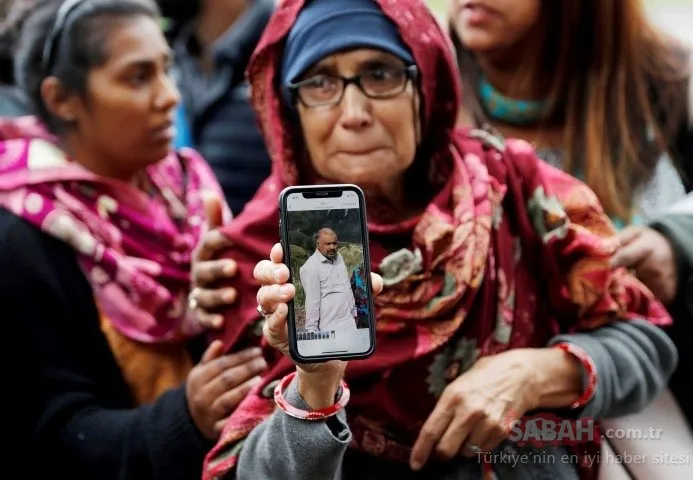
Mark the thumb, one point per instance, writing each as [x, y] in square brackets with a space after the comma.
[215, 350]
[213, 211]
[376, 283]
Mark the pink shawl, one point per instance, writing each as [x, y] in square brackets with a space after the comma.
[135, 249]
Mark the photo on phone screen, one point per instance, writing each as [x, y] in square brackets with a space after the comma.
[332, 308]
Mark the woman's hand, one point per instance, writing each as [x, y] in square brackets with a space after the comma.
[477, 411]
[651, 256]
[318, 382]
[217, 384]
[207, 271]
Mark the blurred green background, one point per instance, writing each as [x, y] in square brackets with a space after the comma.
[675, 16]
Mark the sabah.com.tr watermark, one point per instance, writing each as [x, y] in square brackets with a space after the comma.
[547, 429]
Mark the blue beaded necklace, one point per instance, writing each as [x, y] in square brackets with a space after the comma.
[508, 110]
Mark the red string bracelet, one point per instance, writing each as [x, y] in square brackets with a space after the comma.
[590, 369]
[321, 414]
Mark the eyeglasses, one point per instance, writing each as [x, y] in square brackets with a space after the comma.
[53, 39]
[327, 90]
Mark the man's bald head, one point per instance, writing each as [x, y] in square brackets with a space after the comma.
[326, 243]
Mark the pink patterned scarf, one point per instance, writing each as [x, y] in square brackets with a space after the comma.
[135, 249]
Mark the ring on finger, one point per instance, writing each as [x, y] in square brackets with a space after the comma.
[194, 298]
[263, 312]
[473, 448]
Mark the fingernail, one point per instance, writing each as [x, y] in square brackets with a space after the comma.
[255, 351]
[277, 275]
[229, 295]
[259, 364]
[415, 465]
[218, 321]
[256, 380]
[285, 290]
[230, 268]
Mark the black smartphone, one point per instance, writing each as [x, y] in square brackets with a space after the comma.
[324, 235]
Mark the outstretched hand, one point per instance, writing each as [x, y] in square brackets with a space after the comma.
[318, 382]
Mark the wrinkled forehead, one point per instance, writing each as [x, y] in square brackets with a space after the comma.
[353, 61]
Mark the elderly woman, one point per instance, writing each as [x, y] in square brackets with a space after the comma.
[499, 298]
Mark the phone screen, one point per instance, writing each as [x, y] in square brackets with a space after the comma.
[332, 306]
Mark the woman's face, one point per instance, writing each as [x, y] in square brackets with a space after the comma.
[366, 141]
[126, 118]
[487, 26]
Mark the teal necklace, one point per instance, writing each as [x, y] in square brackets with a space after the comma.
[508, 110]
[521, 113]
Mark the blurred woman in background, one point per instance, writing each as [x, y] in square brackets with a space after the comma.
[99, 224]
[602, 94]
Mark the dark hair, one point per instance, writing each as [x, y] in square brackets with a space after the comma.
[616, 86]
[177, 14]
[78, 48]
[4, 8]
[12, 17]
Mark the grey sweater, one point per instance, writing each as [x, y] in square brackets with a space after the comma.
[678, 228]
[633, 359]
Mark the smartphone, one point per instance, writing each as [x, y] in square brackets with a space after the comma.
[325, 240]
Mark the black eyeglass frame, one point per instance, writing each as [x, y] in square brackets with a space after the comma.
[53, 38]
[410, 71]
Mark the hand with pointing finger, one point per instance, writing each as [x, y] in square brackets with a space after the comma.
[650, 255]
[208, 272]
[475, 412]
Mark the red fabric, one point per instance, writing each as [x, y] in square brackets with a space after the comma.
[478, 287]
